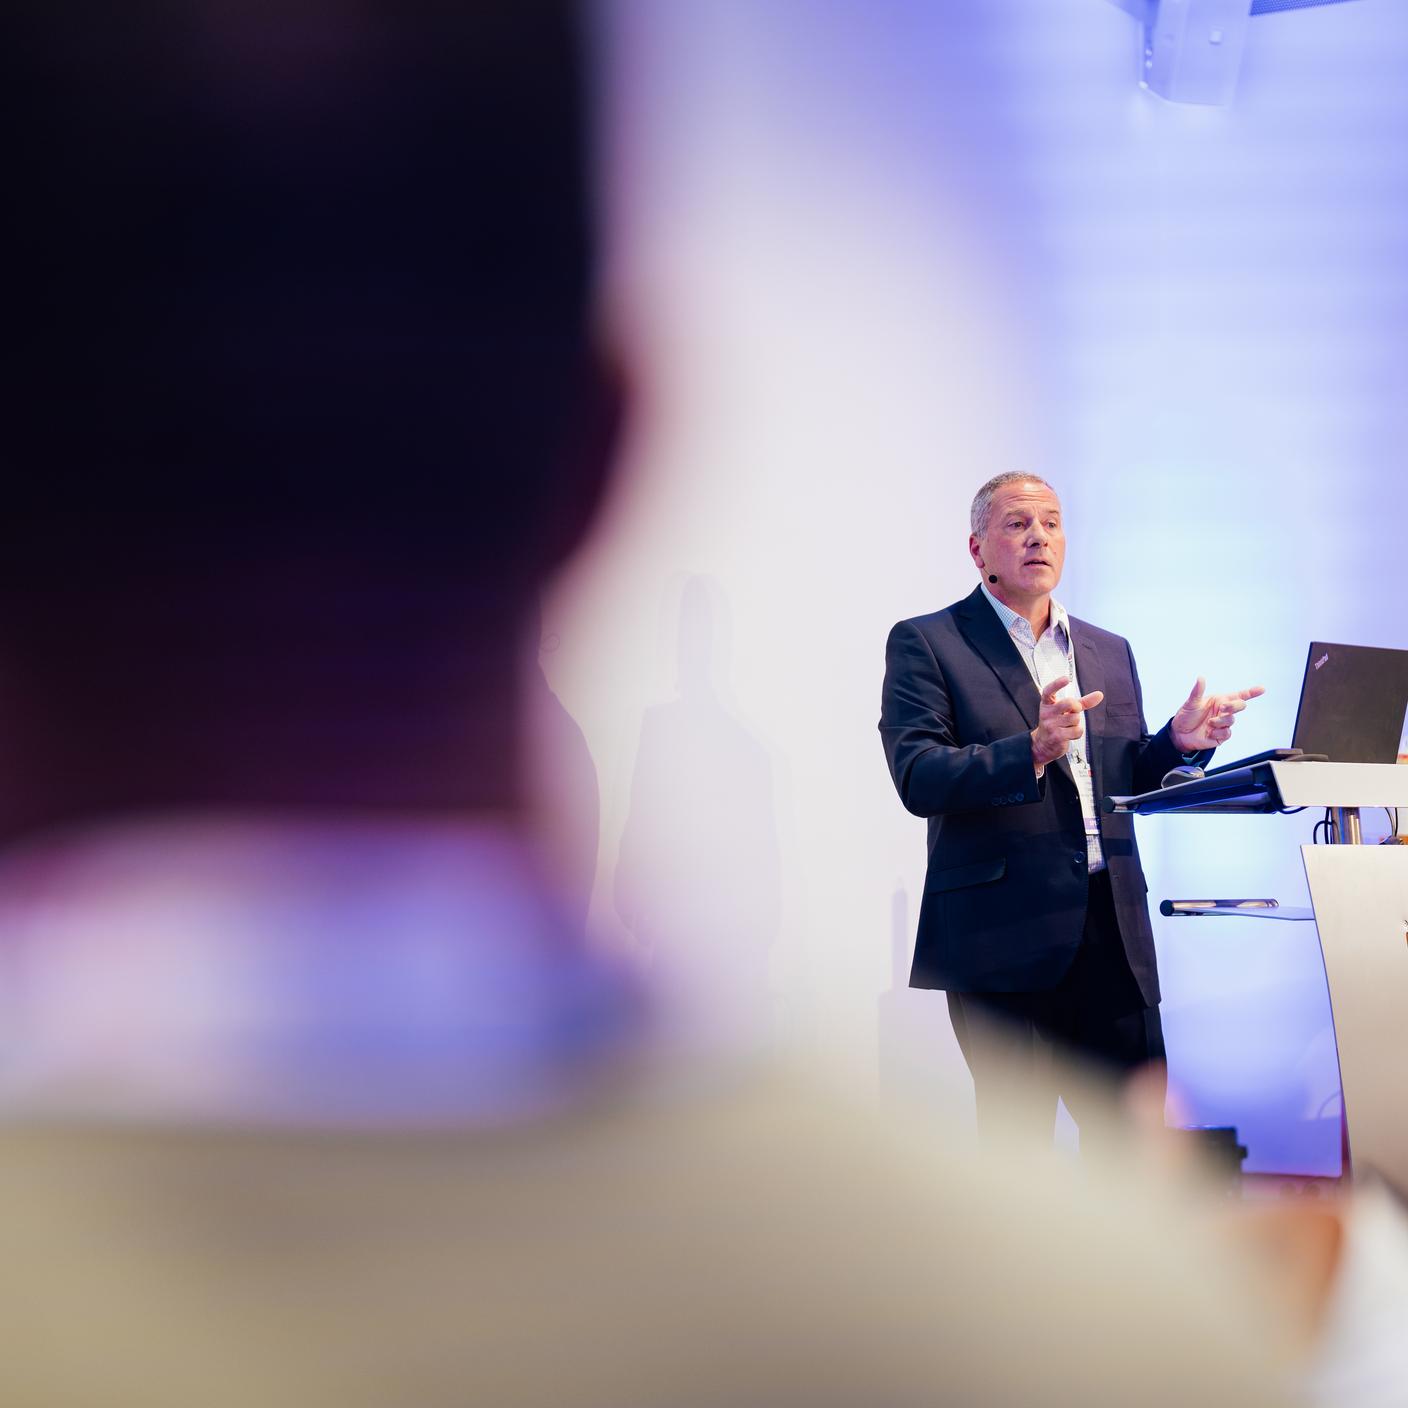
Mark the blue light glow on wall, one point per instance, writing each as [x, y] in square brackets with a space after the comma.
[879, 251]
[1226, 294]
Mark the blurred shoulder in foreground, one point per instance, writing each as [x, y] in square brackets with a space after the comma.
[313, 1097]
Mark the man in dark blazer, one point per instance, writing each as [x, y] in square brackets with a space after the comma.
[1034, 917]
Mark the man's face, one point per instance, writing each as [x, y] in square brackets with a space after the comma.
[1025, 544]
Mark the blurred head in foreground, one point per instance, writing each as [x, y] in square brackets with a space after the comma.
[307, 405]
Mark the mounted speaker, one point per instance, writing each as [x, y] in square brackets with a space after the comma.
[1192, 49]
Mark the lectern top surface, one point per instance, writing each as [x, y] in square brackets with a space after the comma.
[1341, 784]
[1272, 787]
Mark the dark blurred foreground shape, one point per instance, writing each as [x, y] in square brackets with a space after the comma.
[310, 1097]
[306, 404]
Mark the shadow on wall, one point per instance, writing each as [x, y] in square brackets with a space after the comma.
[698, 883]
[919, 1056]
[565, 782]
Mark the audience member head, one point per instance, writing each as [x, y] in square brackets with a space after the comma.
[308, 403]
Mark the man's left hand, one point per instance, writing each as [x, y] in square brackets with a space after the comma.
[1204, 721]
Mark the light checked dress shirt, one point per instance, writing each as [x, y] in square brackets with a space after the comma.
[1048, 659]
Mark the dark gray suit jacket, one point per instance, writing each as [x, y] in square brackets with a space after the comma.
[1006, 889]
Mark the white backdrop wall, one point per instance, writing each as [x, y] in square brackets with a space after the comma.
[864, 255]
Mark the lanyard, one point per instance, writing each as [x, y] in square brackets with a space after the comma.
[1076, 754]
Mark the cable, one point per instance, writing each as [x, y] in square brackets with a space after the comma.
[1329, 1100]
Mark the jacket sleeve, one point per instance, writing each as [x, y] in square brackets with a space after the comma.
[932, 773]
[1157, 752]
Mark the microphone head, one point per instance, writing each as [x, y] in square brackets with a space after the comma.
[1187, 772]
[992, 576]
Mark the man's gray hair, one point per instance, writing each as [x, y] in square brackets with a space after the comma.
[981, 512]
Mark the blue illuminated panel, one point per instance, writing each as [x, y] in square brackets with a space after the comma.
[1268, 7]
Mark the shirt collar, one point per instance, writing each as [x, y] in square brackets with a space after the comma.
[1016, 624]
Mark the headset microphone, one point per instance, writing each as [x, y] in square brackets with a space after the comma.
[992, 576]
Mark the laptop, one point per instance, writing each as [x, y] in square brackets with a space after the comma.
[1353, 709]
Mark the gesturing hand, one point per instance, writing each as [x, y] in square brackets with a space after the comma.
[1059, 722]
[1205, 721]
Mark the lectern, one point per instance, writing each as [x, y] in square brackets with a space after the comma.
[1359, 899]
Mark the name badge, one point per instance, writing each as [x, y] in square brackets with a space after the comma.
[1085, 779]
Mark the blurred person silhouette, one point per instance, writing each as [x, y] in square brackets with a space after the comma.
[308, 408]
[310, 1096]
[699, 879]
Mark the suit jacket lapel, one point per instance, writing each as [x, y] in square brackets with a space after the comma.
[984, 632]
[1090, 675]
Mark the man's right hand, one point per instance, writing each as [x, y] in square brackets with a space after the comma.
[1059, 722]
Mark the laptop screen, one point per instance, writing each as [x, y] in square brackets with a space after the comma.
[1354, 704]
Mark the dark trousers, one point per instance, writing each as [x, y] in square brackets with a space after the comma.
[1024, 1049]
